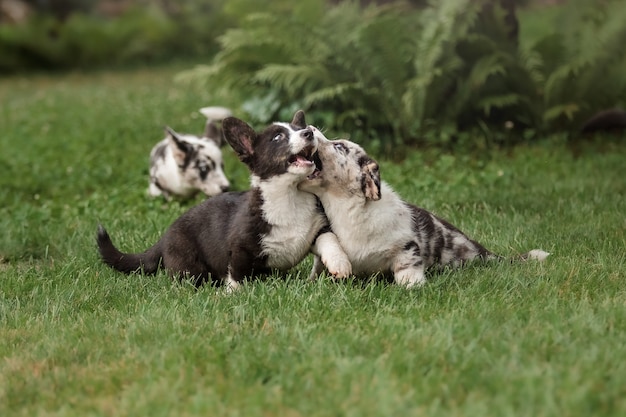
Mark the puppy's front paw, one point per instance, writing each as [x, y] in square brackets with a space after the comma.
[339, 267]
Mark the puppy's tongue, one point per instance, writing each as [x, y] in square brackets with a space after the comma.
[300, 160]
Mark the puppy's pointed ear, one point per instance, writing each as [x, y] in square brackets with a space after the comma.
[176, 139]
[240, 136]
[180, 148]
[370, 179]
[298, 120]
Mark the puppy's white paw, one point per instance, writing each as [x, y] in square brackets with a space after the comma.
[343, 271]
[333, 257]
[339, 266]
[410, 278]
[231, 285]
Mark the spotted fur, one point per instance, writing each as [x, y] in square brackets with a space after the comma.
[379, 231]
[182, 165]
[239, 235]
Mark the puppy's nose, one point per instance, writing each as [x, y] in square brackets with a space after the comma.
[225, 188]
[307, 134]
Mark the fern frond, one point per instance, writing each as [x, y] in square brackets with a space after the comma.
[498, 102]
[335, 92]
[290, 78]
[532, 62]
[443, 25]
[568, 110]
[484, 68]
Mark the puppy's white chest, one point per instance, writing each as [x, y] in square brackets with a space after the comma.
[286, 246]
[293, 228]
[373, 236]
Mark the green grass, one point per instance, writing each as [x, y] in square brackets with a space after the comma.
[77, 338]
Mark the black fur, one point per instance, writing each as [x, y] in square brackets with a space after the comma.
[196, 245]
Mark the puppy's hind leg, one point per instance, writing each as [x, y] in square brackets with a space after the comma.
[410, 277]
[318, 267]
[230, 284]
[408, 267]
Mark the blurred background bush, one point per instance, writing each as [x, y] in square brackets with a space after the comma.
[71, 34]
[383, 72]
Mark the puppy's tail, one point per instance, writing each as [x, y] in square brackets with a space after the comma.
[216, 112]
[213, 115]
[535, 254]
[148, 261]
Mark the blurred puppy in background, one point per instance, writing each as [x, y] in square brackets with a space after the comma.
[181, 165]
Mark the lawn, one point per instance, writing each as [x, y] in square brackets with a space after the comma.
[76, 338]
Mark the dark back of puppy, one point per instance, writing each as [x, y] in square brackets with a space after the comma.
[193, 246]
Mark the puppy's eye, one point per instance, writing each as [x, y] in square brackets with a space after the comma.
[340, 147]
[279, 136]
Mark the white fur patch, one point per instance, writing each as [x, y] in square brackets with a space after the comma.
[538, 255]
[410, 277]
[231, 284]
[294, 220]
[371, 234]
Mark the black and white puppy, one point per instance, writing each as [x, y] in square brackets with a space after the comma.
[377, 229]
[238, 235]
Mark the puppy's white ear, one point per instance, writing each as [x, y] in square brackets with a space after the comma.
[370, 179]
[298, 120]
[240, 136]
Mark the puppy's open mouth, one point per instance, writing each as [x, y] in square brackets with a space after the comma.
[318, 166]
[304, 158]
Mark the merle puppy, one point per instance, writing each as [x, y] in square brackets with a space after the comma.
[181, 165]
[378, 230]
[239, 235]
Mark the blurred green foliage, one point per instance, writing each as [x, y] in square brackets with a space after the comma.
[439, 73]
[144, 33]
[394, 73]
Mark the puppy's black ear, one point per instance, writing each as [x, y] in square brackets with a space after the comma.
[240, 136]
[370, 179]
[298, 120]
[181, 145]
